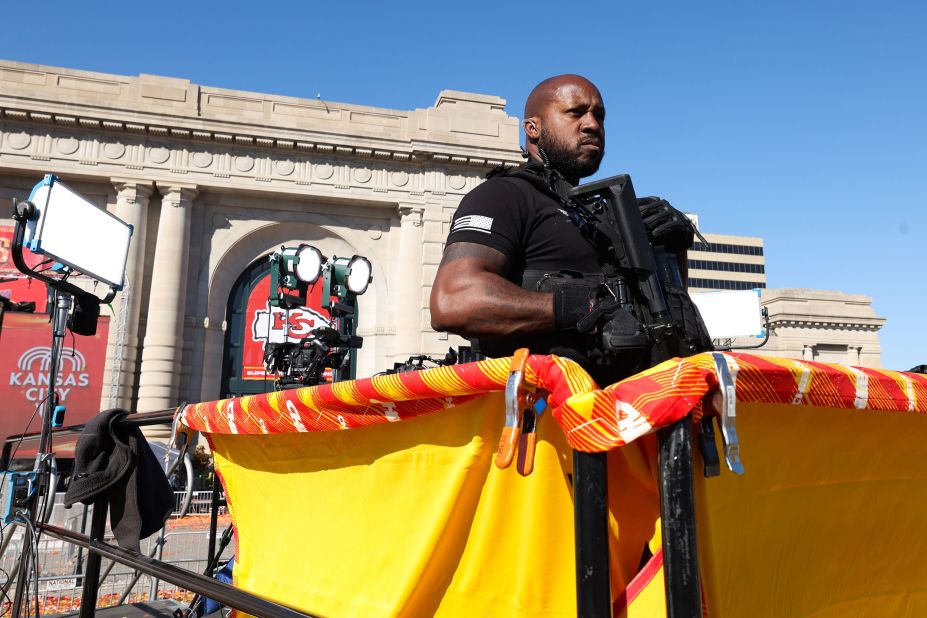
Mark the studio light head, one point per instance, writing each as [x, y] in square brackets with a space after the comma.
[309, 262]
[295, 268]
[349, 275]
[358, 275]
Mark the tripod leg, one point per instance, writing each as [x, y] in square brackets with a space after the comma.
[23, 575]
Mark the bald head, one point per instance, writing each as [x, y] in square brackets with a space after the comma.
[565, 125]
[548, 90]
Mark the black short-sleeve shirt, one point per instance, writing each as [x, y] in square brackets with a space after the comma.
[535, 233]
[529, 227]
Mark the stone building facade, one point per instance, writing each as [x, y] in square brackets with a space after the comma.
[823, 326]
[214, 180]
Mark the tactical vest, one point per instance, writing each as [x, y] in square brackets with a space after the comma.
[692, 335]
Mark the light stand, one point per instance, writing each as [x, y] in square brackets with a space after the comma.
[27, 509]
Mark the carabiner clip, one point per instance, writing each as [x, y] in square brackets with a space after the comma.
[728, 419]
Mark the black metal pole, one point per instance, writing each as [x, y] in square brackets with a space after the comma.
[22, 573]
[590, 521]
[223, 593]
[79, 565]
[677, 511]
[213, 515]
[88, 603]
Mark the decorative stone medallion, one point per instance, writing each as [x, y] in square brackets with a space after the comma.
[202, 159]
[457, 181]
[66, 145]
[114, 150]
[362, 174]
[18, 141]
[158, 155]
[324, 171]
[285, 167]
[399, 179]
[244, 164]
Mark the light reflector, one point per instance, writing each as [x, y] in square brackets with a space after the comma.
[308, 263]
[358, 274]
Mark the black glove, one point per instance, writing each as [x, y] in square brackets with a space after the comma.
[665, 225]
[609, 343]
[572, 303]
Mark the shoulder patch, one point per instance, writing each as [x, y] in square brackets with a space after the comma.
[473, 223]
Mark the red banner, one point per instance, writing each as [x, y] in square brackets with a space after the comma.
[13, 284]
[24, 364]
[266, 324]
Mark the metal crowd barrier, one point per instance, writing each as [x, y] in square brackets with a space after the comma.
[97, 548]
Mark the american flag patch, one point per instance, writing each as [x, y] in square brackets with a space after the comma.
[473, 223]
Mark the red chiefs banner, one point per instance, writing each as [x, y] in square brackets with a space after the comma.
[13, 284]
[265, 324]
[25, 342]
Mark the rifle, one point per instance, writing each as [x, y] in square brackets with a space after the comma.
[613, 205]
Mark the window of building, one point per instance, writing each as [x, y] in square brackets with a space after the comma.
[737, 267]
[722, 284]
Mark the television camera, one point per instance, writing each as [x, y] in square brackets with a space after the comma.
[304, 363]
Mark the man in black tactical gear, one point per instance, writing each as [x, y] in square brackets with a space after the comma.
[523, 264]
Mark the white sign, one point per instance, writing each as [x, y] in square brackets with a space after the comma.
[730, 313]
[61, 583]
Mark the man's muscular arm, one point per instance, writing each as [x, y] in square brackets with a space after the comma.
[471, 298]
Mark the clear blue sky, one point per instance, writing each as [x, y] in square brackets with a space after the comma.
[801, 122]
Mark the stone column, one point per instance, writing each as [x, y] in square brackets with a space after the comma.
[132, 207]
[408, 288]
[853, 355]
[162, 355]
[807, 353]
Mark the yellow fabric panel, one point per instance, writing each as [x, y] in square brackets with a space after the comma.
[830, 518]
[650, 602]
[634, 507]
[414, 519]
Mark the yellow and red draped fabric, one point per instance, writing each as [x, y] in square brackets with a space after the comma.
[406, 514]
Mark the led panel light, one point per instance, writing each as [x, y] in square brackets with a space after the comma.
[75, 232]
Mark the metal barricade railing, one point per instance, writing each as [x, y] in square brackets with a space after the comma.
[61, 563]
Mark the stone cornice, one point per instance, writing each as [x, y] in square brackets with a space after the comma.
[463, 129]
[416, 152]
[39, 147]
[860, 324]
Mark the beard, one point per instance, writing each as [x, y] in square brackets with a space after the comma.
[566, 160]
